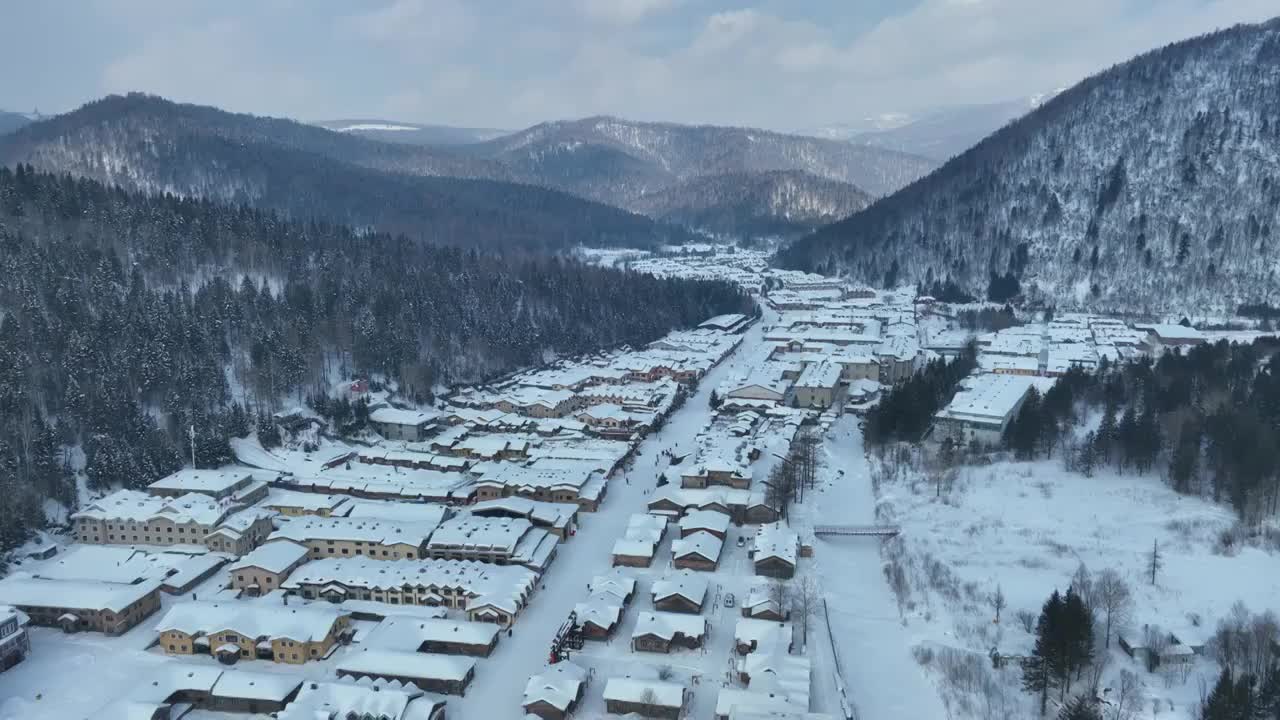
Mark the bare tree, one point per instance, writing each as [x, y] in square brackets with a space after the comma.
[649, 699]
[1127, 699]
[781, 487]
[1082, 582]
[778, 594]
[806, 598]
[1156, 641]
[998, 602]
[665, 672]
[1154, 561]
[1114, 600]
[1026, 619]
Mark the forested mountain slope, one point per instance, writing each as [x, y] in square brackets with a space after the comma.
[117, 309]
[1153, 185]
[782, 203]
[153, 145]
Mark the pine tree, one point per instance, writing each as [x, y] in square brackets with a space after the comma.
[1220, 704]
[1040, 669]
[1077, 623]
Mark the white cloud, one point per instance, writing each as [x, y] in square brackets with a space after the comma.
[487, 64]
[210, 64]
[624, 12]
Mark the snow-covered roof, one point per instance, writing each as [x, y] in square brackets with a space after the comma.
[618, 583]
[711, 520]
[664, 694]
[761, 704]
[505, 586]
[702, 544]
[207, 482]
[8, 611]
[121, 563]
[385, 532]
[547, 513]
[603, 609]
[254, 685]
[557, 686]
[766, 634]
[274, 557]
[313, 502]
[363, 699]
[25, 590]
[823, 374]
[483, 533]
[303, 624]
[131, 505]
[408, 633]
[780, 672]
[686, 584]
[417, 665]
[990, 398]
[396, 416]
[426, 515]
[667, 625]
[776, 540]
[643, 548]
[1171, 331]
[723, 322]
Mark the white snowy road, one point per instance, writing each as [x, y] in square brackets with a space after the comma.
[498, 688]
[883, 679]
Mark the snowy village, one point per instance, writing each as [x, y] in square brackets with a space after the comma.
[692, 529]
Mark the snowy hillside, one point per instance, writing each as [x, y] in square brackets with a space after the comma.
[1151, 186]
[783, 203]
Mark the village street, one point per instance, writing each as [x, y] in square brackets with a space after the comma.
[500, 679]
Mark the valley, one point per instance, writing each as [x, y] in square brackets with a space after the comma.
[558, 378]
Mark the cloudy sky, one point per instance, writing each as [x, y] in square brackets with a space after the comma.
[782, 64]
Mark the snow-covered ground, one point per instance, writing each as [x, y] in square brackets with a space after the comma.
[874, 646]
[1026, 528]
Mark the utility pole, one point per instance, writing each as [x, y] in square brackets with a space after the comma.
[192, 433]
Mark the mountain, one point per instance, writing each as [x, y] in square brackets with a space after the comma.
[10, 121]
[130, 318]
[412, 133]
[146, 143]
[781, 203]
[937, 133]
[617, 161]
[1151, 186]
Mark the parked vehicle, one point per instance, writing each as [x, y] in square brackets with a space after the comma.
[729, 600]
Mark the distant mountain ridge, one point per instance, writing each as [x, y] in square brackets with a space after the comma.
[10, 121]
[1151, 186]
[149, 143]
[146, 143]
[395, 131]
[643, 166]
[938, 133]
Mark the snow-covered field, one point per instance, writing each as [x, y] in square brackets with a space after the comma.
[1026, 528]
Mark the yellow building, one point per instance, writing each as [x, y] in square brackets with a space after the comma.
[279, 633]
